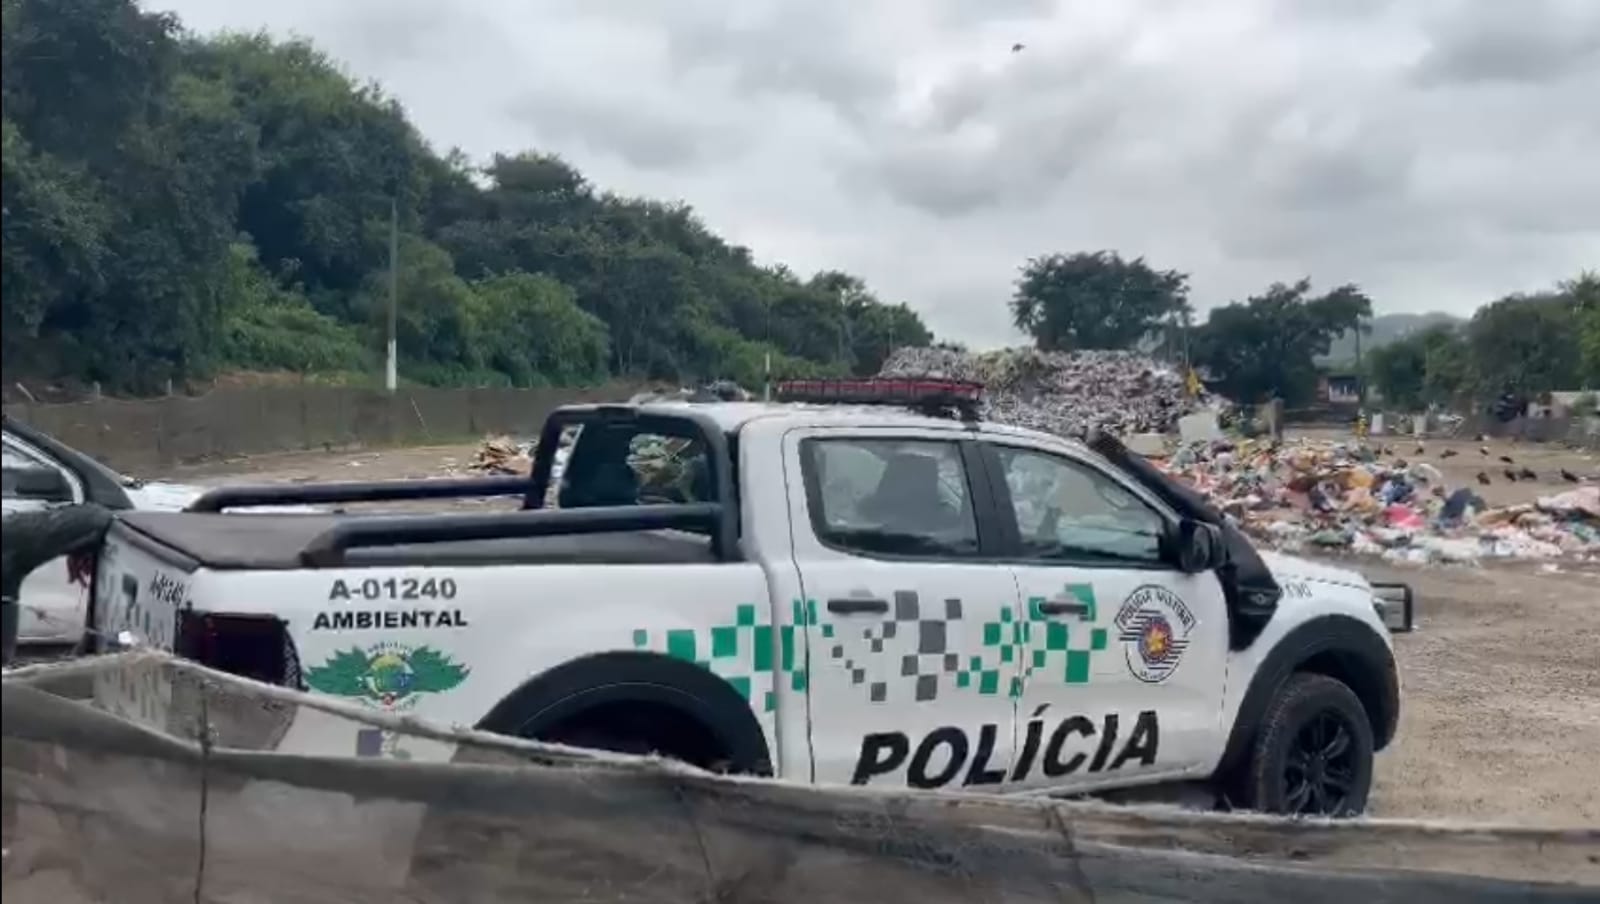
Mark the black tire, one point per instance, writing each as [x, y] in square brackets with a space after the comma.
[644, 730]
[1312, 754]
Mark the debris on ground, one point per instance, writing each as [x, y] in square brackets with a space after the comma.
[663, 464]
[502, 455]
[1065, 393]
[1346, 496]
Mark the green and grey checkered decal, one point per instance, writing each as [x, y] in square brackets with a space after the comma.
[1013, 650]
[915, 638]
[741, 652]
[1065, 649]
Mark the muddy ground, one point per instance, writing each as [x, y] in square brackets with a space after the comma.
[1501, 717]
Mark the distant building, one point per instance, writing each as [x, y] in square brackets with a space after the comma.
[1339, 389]
[1564, 404]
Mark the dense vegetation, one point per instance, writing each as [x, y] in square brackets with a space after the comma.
[1524, 345]
[176, 205]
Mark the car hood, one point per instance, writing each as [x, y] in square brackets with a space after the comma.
[1285, 567]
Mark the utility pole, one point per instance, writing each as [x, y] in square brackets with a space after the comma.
[391, 367]
[1361, 377]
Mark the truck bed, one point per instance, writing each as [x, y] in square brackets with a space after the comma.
[276, 541]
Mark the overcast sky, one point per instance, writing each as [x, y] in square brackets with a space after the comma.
[1440, 153]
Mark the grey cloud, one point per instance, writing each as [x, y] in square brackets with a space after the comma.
[645, 138]
[965, 13]
[1527, 41]
[1297, 11]
[767, 48]
[1012, 137]
[401, 32]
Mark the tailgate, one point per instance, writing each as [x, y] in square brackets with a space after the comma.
[138, 593]
[139, 589]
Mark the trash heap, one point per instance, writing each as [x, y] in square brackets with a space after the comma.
[1066, 393]
[502, 455]
[1338, 496]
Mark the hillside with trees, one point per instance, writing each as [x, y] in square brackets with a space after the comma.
[1382, 329]
[175, 206]
[1524, 345]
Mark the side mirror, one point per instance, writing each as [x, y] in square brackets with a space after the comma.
[41, 484]
[1198, 547]
[1396, 605]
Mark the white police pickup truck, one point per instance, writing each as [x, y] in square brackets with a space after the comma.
[826, 589]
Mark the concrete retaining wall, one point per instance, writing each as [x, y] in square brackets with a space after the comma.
[203, 808]
[155, 433]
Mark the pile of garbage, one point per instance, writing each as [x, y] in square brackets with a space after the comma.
[502, 455]
[1347, 496]
[1065, 393]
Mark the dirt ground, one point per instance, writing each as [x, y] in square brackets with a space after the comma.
[1501, 713]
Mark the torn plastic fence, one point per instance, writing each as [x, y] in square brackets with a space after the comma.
[106, 808]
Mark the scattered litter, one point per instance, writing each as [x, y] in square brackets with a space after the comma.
[1344, 496]
[1066, 393]
[502, 455]
[1150, 445]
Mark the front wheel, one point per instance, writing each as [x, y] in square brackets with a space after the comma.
[1313, 752]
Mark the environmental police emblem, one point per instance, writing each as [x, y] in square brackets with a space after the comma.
[390, 676]
[1154, 626]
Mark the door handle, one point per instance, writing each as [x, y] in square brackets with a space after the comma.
[854, 605]
[1064, 607]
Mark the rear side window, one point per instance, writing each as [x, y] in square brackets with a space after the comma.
[621, 464]
[896, 497]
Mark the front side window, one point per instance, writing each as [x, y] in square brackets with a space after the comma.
[898, 497]
[1067, 511]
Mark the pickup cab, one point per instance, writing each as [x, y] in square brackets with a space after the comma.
[859, 584]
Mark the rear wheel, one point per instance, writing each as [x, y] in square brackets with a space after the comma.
[636, 727]
[644, 729]
[1313, 752]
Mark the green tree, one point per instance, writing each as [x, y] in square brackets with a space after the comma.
[531, 328]
[333, 155]
[53, 234]
[437, 336]
[175, 204]
[127, 175]
[1584, 290]
[1095, 300]
[272, 328]
[1526, 344]
[1428, 366]
[1267, 345]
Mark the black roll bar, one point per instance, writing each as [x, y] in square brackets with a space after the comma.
[328, 548]
[358, 491]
